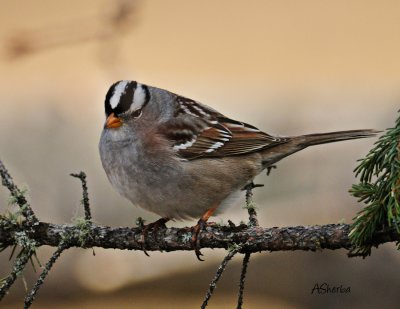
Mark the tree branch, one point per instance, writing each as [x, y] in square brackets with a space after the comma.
[23, 229]
[250, 239]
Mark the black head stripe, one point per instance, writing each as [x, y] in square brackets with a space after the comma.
[119, 99]
[147, 91]
[109, 94]
[126, 99]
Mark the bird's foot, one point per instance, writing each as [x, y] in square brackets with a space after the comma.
[252, 186]
[270, 168]
[198, 228]
[154, 227]
[196, 239]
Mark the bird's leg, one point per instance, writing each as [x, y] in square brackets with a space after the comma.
[252, 186]
[270, 168]
[198, 228]
[154, 227]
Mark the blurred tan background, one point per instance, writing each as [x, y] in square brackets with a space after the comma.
[288, 67]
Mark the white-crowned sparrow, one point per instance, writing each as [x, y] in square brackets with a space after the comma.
[181, 159]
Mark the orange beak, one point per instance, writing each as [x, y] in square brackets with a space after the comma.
[113, 122]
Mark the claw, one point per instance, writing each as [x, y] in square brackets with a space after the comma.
[252, 186]
[231, 224]
[196, 239]
[197, 229]
[270, 168]
[154, 227]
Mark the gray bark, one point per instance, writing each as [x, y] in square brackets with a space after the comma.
[251, 239]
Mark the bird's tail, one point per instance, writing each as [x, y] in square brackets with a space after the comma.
[296, 143]
[323, 138]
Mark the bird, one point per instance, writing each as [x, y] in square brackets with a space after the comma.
[181, 159]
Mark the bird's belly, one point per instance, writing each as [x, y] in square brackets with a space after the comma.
[178, 198]
[177, 190]
[184, 196]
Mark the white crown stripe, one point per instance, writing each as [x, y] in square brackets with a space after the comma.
[119, 90]
[139, 98]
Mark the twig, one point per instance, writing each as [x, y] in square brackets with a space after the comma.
[18, 266]
[32, 294]
[220, 271]
[253, 221]
[246, 261]
[18, 195]
[85, 195]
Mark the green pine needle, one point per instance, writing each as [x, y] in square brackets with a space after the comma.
[379, 189]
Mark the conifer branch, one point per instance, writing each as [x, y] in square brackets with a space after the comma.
[379, 189]
[251, 239]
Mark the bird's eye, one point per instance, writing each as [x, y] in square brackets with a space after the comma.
[137, 113]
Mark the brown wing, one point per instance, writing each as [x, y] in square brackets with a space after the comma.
[198, 131]
[245, 139]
